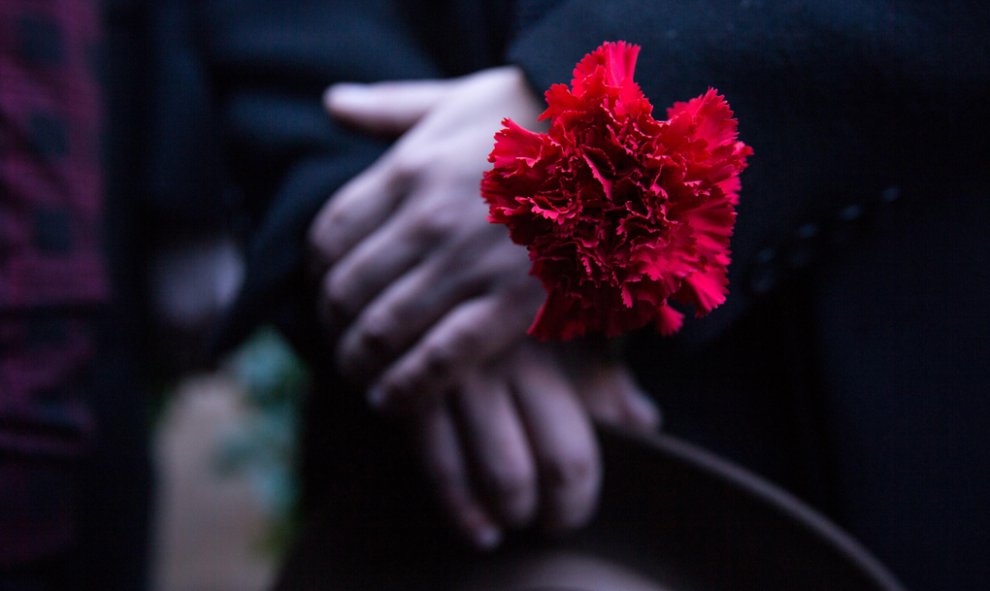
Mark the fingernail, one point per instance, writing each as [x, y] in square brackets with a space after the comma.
[646, 410]
[344, 95]
[326, 97]
[487, 537]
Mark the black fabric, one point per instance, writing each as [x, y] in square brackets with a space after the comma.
[849, 360]
[270, 63]
[112, 549]
[673, 514]
[840, 100]
[904, 359]
[849, 363]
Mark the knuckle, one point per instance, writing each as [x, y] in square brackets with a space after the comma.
[434, 224]
[567, 472]
[407, 164]
[324, 233]
[364, 344]
[336, 295]
[512, 485]
[337, 217]
[352, 353]
[316, 239]
[605, 411]
[376, 328]
[396, 390]
[440, 358]
[465, 339]
[454, 345]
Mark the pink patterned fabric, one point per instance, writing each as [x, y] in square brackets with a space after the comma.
[52, 280]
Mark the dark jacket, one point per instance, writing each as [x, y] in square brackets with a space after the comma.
[850, 359]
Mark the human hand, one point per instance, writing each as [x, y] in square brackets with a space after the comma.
[512, 443]
[408, 264]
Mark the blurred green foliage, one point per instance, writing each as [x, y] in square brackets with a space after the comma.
[263, 447]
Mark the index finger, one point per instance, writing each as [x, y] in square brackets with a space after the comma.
[562, 439]
[355, 211]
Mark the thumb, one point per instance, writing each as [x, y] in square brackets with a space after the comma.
[613, 396]
[385, 107]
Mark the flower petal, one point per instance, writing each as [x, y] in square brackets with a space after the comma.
[620, 212]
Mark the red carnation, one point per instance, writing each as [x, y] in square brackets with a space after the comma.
[622, 214]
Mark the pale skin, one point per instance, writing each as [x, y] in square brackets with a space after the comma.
[429, 304]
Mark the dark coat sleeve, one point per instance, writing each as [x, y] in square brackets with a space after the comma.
[861, 384]
[269, 64]
[848, 105]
